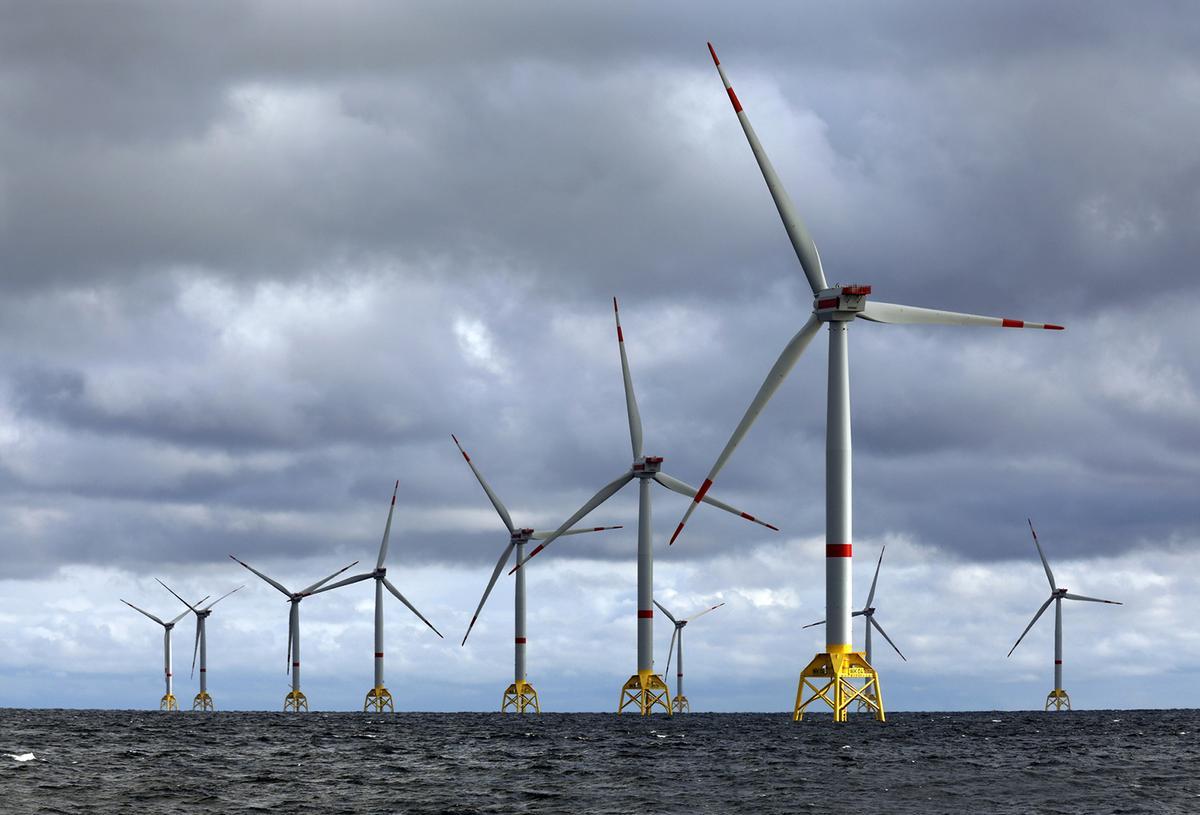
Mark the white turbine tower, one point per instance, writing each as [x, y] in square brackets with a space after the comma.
[168, 702]
[680, 703]
[379, 698]
[295, 701]
[202, 700]
[1057, 698]
[644, 690]
[868, 614]
[520, 694]
[831, 676]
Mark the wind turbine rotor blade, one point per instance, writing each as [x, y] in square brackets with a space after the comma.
[544, 535]
[779, 371]
[635, 418]
[670, 650]
[875, 579]
[148, 614]
[664, 611]
[1040, 611]
[1092, 599]
[495, 499]
[196, 646]
[878, 312]
[182, 614]
[319, 583]
[1042, 555]
[802, 242]
[606, 492]
[274, 583]
[387, 528]
[504, 555]
[293, 611]
[177, 597]
[879, 628]
[700, 614]
[358, 578]
[411, 607]
[675, 485]
[813, 625]
[223, 596]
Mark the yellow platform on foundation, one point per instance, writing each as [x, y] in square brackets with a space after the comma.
[839, 680]
[378, 700]
[1058, 699]
[645, 691]
[203, 702]
[168, 702]
[680, 704]
[295, 701]
[519, 697]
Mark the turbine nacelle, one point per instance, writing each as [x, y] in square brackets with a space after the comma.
[521, 535]
[647, 466]
[840, 303]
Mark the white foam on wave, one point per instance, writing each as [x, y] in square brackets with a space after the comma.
[22, 756]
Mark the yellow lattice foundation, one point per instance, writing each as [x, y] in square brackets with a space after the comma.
[839, 680]
[519, 697]
[203, 702]
[1058, 699]
[645, 691]
[295, 701]
[168, 702]
[680, 705]
[378, 700]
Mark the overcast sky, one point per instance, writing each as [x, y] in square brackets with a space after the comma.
[259, 260]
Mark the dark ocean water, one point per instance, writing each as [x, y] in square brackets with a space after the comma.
[138, 762]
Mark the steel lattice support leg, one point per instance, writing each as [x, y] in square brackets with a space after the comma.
[295, 702]
[203, 702]
[680, 704]
[168, 702]
[1058, 699]
[645, 691]
[377, 701]
[839, 680]
[519, 697]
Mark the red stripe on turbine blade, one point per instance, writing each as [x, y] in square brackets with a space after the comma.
[714, 55]
[737, 106]
[644, 613]
[838, 550]
[678, 529]
[520, 640]
[703, 491]
[1052, 327]
[1007, 323]
[539, 548]
[620, 336]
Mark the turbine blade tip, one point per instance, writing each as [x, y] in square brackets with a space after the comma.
[1052, 327]
[678, 529]
[713, 51]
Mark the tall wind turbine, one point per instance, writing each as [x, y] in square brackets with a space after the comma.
[833, 675]
[1057, 698]
[645, 690]
[680, 703]
[295, 701]
[168, 701]
[520, 695]
[202, 701]
[868, 614]
[378, 698]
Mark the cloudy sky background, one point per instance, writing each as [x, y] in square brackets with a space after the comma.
[260, 260]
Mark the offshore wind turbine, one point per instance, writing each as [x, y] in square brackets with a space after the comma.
[868, 613]
[202, 700]
[168, 702]
[295, 701]
[680, 703]
[520, 695]
[378, 697]
[1057, 698]
[645, 690]
[833, 675]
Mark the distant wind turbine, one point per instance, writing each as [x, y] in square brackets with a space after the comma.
[680, 703]
[520, 695]
[1057, 698]
[202, 701]
[295, 701]
[168, 702]
[378, 698]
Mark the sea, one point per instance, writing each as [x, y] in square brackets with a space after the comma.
[1100, 761]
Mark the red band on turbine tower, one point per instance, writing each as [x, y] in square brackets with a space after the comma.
[645, 613]
[1058, 662]
[520, 640]
[838, 550]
